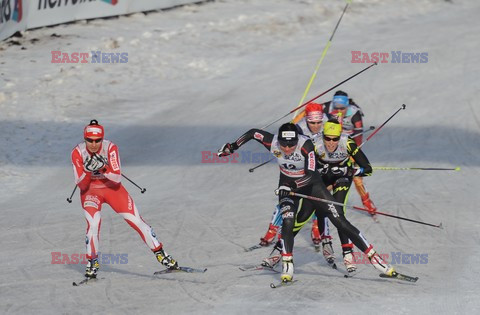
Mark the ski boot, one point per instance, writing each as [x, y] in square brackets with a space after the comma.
[368, 203]
[166, 259]
[348, 261]
[269, 236]
[92, 268]
[380, 264]
[273, 259]
[287, 268]
[328, 250]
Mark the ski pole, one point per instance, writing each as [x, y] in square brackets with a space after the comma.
[324, 53]
[259, 165]
[358, 134]
[71, 196]
[387, 168]
[335, 86]
[377, 130]
[381, 126]
[363, 209]
[142, 190]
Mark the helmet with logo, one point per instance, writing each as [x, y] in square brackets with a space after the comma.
[288, 135]
[340, 100]
[314, 112]
[93, 130]
[332, 128]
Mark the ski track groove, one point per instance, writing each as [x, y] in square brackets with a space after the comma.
[220, 235]
[107, 291]
[190, 295]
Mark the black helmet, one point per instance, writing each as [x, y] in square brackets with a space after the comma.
[288, 135]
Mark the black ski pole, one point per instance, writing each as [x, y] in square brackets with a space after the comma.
[377, 130]
[321, 94]
[71, 196]
[142, 190]
[363, 209]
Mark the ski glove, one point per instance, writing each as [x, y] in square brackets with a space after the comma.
[227, 149]
[358, 171]
[339, 171]
[94, 163]
[283, 191]
[324, 170]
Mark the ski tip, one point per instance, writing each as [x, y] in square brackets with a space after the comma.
[75, 284]
[457, 168]
[272, 285]
[440, 226]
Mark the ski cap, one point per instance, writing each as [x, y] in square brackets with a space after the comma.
[93, 130]
[332, 128]
[340, 99]
[314, 112]
[288, 135]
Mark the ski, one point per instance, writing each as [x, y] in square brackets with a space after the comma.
[400, 276]
[345, 275]
[254, 247]
[180, 269]
[84, 281]
[256, 268]
[282, 284]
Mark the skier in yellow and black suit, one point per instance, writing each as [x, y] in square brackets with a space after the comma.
[336, 151]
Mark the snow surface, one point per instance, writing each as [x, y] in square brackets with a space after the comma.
[199, 76]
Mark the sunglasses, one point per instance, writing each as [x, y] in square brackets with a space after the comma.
[287, 144]
[340, 108]
[93, 140]
[314, 122]
[331, 139]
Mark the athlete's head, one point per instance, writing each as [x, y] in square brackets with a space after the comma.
[331, 134]
[288, 137]
[340, 100]
[93, 135]
[314, 117]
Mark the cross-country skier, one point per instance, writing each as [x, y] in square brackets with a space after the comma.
[309, 123]
[335, 151]
[297, 162]
[352, 124]
[97, 170]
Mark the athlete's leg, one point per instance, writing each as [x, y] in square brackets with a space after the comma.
[92, 201]
[123, 204]
[275, 223]
[333, 212]
[92, 204]
[364, 195]
[340, 193]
